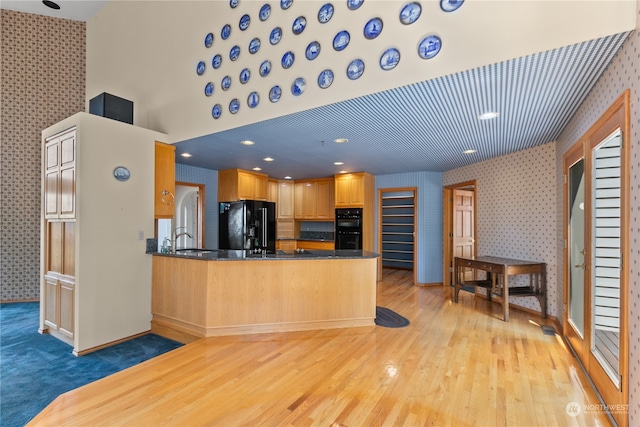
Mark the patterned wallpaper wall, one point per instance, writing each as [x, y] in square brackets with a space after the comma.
[429, 215]
[43, 81]
[209, 178]
[622, 74]
[516, 206]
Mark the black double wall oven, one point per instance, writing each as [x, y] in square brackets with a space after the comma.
[349, 228]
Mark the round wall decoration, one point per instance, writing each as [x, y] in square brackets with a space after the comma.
[312, 51]
[253, 100]
[200, 68]
[265, 11]
[299, 24]
[234, 106]
[275, 36]
[216, 61]
[245, 20]
[225, 32]
[265, 68]
[245, 75]
[208, 89]
[225, 84]
[325, 78]
[325, 13]
[450, 5]
[254, 45]
[298, 86]
[287, 60]
[410, 13]
[208, 40]
[234, 52]
[429, 47]
[354, 4]
[234, 3]
[216, 111]
[372, 28]
[389, 59]
[275, 93]
[121, 173]
[355, 69]
[341, 40]
[285, 4]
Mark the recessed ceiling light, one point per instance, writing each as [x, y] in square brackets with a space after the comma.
[186, 155]
[340, 140]
[287, 177]
[343, 172]
[51, 4]
[247, 142]
[268, 159]
[257, 168]
[469, 151]
[338, 163]
[488, 116]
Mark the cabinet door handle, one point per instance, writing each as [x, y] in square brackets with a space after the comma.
[170, 202]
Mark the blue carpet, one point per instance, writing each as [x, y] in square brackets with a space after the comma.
[35, 368]
[390, 319]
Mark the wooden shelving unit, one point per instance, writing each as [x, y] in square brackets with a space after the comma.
[398, 236]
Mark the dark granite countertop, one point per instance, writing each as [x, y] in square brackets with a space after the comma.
[237, 255]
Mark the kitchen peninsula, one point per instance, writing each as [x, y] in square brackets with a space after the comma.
[200, 294]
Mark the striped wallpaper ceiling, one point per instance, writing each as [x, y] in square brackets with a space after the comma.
[424, 126]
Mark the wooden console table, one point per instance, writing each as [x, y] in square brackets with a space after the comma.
[497, 281]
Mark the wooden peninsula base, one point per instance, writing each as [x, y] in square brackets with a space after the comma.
[196, 298]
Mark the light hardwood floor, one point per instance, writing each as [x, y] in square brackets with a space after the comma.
[455, 365]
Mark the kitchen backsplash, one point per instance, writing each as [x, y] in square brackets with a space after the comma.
[316, 235]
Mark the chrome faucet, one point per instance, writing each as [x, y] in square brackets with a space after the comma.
[176, 235]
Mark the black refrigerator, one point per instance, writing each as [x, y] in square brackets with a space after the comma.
[249, 225]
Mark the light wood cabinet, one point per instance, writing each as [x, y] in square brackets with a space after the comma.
[351, 189]
[165, 180]
[238, 184]
[286, 245]
[314, 200]
[60, 180]
[285, 229]
[314, 244]
[285, 203]
[272, 194]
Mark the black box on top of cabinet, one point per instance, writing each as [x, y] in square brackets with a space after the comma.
[112, 107]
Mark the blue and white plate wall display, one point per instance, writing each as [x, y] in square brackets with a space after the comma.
[265, 68]
[389, 59]
[341, 40]
[287, 60]
[234, 3]
[200, 68]
[253, 100]
[275, 36]
[325, 13]
[208, 89]
[372, 28]
[216, 111]
[216, 61]
[410, 13]
[355, 69]
[429, 47]
[225, 32]
[234, 52]
[245, 75]
[450, 5]
[208, 40]
[325, 78]
[225, 84]
[275, 93]
[254, 45]
[265, 11]
[312, 51]
[354, 4]
[245, 20]
[298, 86]
[234, 106]
[285, 4]
[299, 24]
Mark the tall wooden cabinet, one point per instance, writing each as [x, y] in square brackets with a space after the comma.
[95, 277]
[356, 190]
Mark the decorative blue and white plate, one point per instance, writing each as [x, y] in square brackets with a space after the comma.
[208, 40]
[355, 69]
[389, 59]
[225, 84]
[200, 68]
[325, 13]
[216, 61]
[234, 3]
[450, 5]
[245, 75]
[253, 100]
[354, 4]
[275, 93]
[245, 20]
[234, 52]
[285, 4]
[208, 89]
[429, 47]
[372, 28]
[275, 36]
[234, 106]
[410, 13]
[312, 51]
[265, 68]
[287, 60]
[254, 45]
[325, 78]
[265, 11]
[298, 86]
[225, 32]
[216, 111]
[299, 24]
[341, 40]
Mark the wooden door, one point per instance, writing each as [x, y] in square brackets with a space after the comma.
[464, 226]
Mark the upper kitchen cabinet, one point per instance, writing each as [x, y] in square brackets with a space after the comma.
[165, 180]
[353, 189]
[238, 184]
[285, 203]
[59, 175]
[314, 199]
[272, 193]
